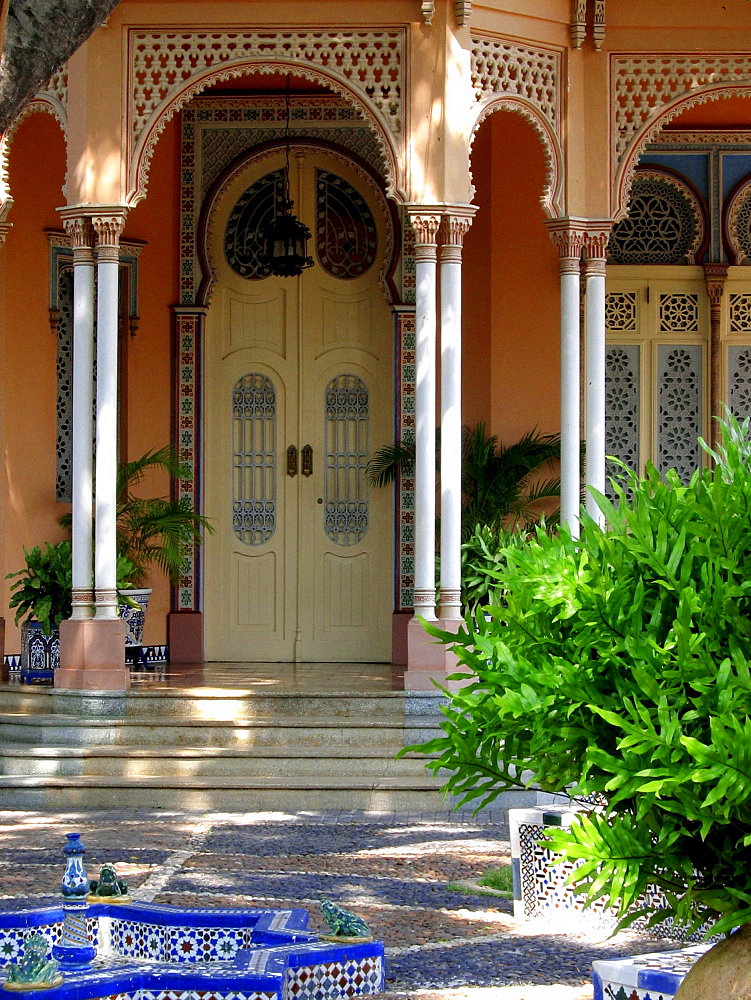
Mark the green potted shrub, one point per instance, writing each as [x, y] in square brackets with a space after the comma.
[152, 531]
[617, 666]
[41, 597]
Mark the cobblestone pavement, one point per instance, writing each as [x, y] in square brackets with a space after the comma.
[394, 870]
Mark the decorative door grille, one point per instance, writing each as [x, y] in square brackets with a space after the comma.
[346, 239]
[256, 208]
[346, 505]
[254, 459]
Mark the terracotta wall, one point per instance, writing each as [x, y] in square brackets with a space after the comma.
[511, 287]
[28, 356]
[28, 353]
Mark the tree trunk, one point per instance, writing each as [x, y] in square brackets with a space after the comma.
[40, 37]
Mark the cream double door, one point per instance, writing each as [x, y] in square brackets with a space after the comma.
[299, 391]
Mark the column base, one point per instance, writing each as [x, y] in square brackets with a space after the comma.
[92, 655]
[185, 636]
[399, 646]
[428, 659]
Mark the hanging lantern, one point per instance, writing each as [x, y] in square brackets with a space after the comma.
[285, 241]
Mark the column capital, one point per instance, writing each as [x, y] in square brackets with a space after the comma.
[425, 224]
[715, 276]
[81, 235]
[568, 235]
[108, 223]
[596, 238]
[455, 225]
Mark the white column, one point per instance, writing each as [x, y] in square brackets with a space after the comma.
[81, 236]
[426, 228]
[453, 229]
[108, 228]
[594, 270]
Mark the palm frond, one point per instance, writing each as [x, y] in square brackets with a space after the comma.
[384, 464]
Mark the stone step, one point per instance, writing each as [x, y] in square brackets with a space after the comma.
[216, 704]
[61, 730]
[207, 762]
[385, 794]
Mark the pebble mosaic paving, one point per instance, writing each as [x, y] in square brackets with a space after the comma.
[394, 870]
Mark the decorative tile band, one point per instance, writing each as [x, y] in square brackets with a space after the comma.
[154, 654]
[405, 433]
[188, 340]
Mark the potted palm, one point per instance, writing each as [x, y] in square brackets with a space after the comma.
[617, 666]
[152, 531]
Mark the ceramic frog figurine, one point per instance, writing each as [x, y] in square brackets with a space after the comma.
[35, 971]
[108, 885]
[343, 923]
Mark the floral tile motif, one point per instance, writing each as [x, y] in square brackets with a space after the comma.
[205, 944]
[335, 979]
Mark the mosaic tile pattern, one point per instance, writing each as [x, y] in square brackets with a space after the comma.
[644, 977]
[334, 979]
[545, 894]
[12, 939]
[405, 391]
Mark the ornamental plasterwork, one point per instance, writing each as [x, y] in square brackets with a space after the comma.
[664, 225]
[648, 91]
[708, 138]
[367, 182]
[52, 99]
[506, 67]
[216, 131]
[527, 80]
[642, 85]
[738, 224]
[167, 68]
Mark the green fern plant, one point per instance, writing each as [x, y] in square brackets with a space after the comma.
[617, 665]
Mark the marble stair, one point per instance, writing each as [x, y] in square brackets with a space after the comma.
[216, 749]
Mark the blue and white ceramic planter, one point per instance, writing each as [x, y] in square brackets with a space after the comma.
[40, 653]
[134, 618]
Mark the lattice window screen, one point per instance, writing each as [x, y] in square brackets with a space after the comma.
[254, 459]
[663, 225]
[740, 313]
[739, 380]
[347, 419]
[679, 411]
[64, 440]
[679, 312]
[620, 312]
[622, 410]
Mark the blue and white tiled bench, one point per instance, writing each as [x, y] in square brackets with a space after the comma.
[151, 952]
[644, 977]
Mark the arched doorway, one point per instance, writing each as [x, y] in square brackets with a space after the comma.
[299, 390]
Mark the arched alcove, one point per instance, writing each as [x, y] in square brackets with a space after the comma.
[511, 286]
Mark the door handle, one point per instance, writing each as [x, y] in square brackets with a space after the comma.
[307, 460]
[292, 460]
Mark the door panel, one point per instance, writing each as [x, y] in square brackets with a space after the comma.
[258, 322]
[319, 585]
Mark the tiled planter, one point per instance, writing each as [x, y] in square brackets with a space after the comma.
[644, 977]
[540, 890]
[134, 619]
[40, 653]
